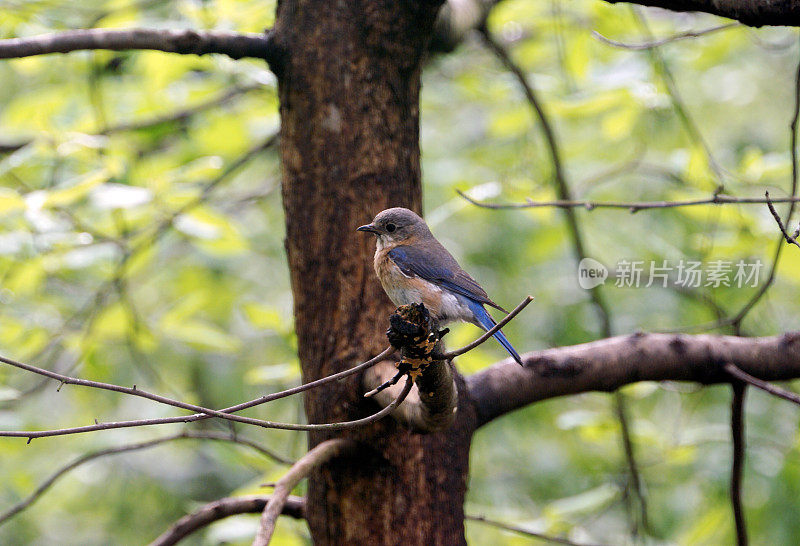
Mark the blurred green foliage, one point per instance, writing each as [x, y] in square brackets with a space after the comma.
[140, 257]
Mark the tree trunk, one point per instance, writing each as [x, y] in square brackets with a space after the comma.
[349, 78]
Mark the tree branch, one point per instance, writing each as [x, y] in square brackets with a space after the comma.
[790, 239]
[223, 508]
[663, 41]
[80, 461]
[737, 466]
[206, 413]
[631, 206]
[489, 333]
[754, 13]
[318, 456]
[189, 42]
[523, 531]
[763, 385]
[608, 364]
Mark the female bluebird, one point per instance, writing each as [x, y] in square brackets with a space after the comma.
[414, 267]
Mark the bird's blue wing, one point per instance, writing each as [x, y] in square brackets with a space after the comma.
[441, 269]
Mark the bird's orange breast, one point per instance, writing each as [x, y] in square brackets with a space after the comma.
[403, 289]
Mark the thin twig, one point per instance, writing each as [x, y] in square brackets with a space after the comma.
[631, 206]
[204, 412]
[668, 40]
[737, 466]
[80, 461]
[489, 333]
[223, 508]
[620, 410]
[790, 239]
[523, 531]
[316, 457]
[742, 375]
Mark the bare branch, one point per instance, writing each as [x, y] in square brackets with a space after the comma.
[316, 457]
[205, 413]
[737, 466]
[80, 461]
[636, 482]
[489, 333]
[523, 531]
[668, 40]
[189, 42]
[754, 13]
[790, 239]
[763, 385]
[214, 511]
[608, 364]
[631, 206]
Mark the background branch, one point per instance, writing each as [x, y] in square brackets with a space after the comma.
[523, 531]
[206, 414]
[80, 461]
[737, 467]
[754, 13]
[660, 42]
[632, 206]
[192, 42]
[214, 511]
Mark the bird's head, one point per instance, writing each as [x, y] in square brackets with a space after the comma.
[396, 225]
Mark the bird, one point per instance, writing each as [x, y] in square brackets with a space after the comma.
[414, 267]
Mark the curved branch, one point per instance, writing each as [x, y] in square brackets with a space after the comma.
[80, 461]
[318, 456]
[189, 42]
[219, 509]
[610, 363]
[658, 43]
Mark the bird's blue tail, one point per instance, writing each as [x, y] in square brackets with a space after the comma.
[488, 323]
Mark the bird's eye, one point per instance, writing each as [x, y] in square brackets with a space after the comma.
[390, 227]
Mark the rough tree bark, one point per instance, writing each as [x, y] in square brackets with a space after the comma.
[349, 78]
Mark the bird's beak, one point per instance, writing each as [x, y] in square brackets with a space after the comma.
[369, 228]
